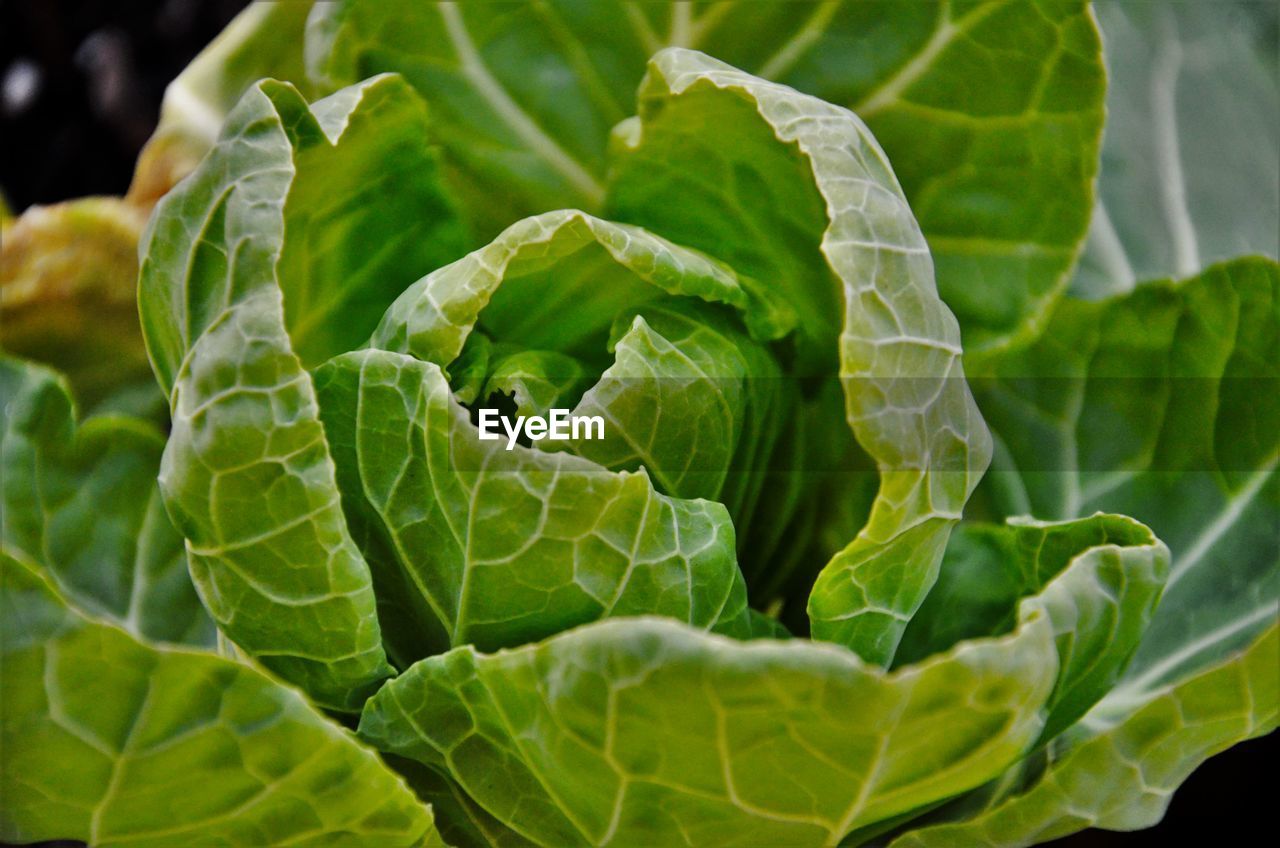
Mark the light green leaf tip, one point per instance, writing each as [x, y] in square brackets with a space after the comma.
[524, 281]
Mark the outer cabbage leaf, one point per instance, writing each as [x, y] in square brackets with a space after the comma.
[462, 822]
[114, 741]
[1176, 192]
[485, 546]
[647, 732]
[1164, 404]
[1176, 386]
[991, 111]
[83, 502]
[852, 251]
[602, 735]
[1119, 771]
[68, 276]
[282, 249]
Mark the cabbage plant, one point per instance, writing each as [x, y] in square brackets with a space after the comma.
[907, 526]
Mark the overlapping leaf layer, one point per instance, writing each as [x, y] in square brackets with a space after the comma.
[782, 601]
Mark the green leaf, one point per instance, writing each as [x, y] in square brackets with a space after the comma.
[1164, 404]
[281, 250]
[852, 252]
[1109, 570]
[693, 399]
[1118, 770]
[601, 735]
[113, 741]
[646, 732]
[698, 408]
[265, 40]
[537, 380]
[764, 626]
[1176, 191]
[520, 162]
[481, 545]
[672, 402]
[518, 290]
[462, 822]
[690, 397]
[991, 111]
[83, 502]
[817, 494]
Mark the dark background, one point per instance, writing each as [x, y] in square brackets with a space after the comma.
[80, 89]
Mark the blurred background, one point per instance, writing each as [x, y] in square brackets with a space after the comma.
[81, 87]
[79, 95]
